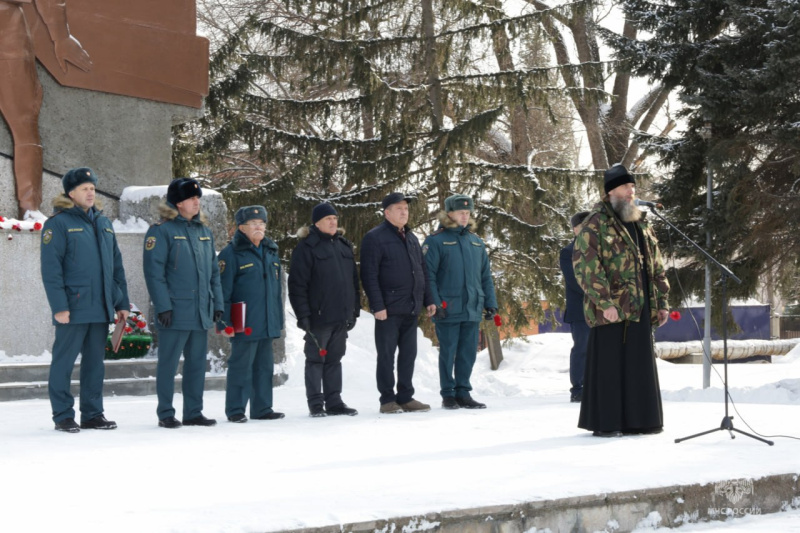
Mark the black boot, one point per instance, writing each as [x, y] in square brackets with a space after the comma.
[316, 411]
[274, 415]
[99, 422]
[170, 423]
[67, 425]
[448, 402]
[200, 421]
[341, 409]
[468, 403]
[237, 418]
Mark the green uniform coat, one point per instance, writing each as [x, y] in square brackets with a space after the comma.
[607, 269]
[252, 275]
[459, 272]
[81, 265]
[181, 271]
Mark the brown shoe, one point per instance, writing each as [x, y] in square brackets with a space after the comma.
[415, 407]
[391, 407]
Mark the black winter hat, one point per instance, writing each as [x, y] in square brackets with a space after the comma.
[395, 198]
[616, 176]
[182, 189]
[578, 218]
[250, 212]
[77, 176]
[321, 211]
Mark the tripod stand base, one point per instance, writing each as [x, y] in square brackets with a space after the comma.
[726, 425]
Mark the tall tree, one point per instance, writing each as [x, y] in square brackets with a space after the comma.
[345, 102]
[734, 63]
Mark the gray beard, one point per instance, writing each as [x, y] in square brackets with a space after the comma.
[628, 212]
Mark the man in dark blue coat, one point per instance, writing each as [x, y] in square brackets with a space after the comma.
[85, 285]
[395, 278]
[324, 293]
[250, 272]
[182, 275]
[573, 314]
[462, 287]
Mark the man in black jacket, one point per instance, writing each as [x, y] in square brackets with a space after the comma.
[573, 314]
[395, 278]
[324, 293]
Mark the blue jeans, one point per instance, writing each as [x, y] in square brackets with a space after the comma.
[577, 356]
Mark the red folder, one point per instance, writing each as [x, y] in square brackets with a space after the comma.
[238, 312]
[116, 337]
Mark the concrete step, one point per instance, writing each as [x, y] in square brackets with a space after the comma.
[36, 390]
[118, 369]
[129, 377]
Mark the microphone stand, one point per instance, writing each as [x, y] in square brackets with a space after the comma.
[727, 421]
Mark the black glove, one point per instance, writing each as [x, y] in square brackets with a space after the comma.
[441, 313]
[304, 323]
[489, 313]
[165, 318]
[218, 315]
[351, 323]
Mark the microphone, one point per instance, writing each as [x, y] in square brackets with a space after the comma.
[645, 203]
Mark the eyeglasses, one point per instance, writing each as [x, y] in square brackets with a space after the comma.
[257, 224]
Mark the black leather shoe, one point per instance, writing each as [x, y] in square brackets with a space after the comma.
[576, 398]
[316, 412]
[200, 421]
[607, 434]
[237, 419]
[341, 409]
[468, 403]
[67, 425]
[99, 422]
[448, 402]
[270, 416]
[170, 423]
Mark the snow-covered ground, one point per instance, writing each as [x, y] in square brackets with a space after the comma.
[302, 472]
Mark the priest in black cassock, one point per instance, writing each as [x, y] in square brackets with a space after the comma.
[618, 264]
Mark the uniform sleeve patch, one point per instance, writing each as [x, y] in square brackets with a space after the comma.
[205, 238]
[150, 243]
[221, 266]
[109, 230]
[248, 265]
[47, 236]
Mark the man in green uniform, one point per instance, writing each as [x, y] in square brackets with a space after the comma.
[182, 275]
[250, 271]
[85, 285]
[462, 287]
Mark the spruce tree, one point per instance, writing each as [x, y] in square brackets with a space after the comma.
[347, 101]
[734, 63]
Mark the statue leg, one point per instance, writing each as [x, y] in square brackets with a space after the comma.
[20, 102]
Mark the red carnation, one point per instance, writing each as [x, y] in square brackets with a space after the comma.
[128, 329]
[675, 315]
[248, 331]
[444, 304]
[229, 330]
[498, 321]
[17, 227]
[141, 325]
[2, 219]
[37, 226]
[323, 352]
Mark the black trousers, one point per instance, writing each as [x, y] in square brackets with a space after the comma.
[323, 374]
[398, 333]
